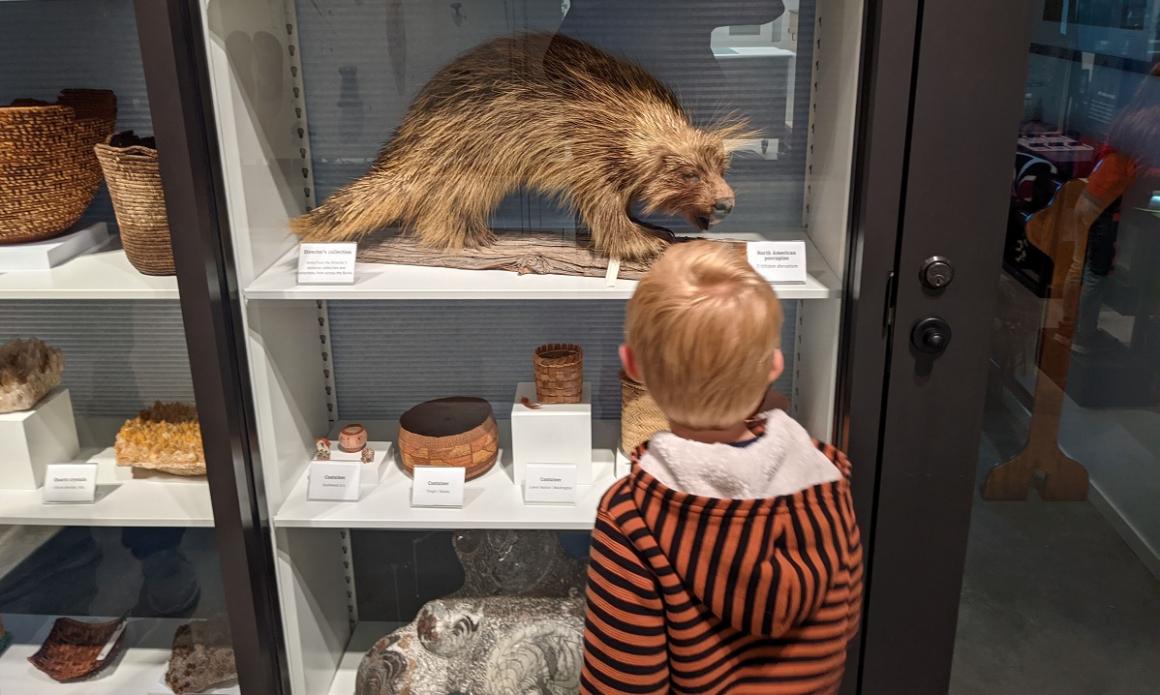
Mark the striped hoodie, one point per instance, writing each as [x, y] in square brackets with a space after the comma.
[720, 568]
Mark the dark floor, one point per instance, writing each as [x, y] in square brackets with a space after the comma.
[1054, 600]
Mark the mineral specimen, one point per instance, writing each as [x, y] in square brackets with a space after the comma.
[75, 650]
[165, 437]
[488, 646]
[202, 657]
[28, 370]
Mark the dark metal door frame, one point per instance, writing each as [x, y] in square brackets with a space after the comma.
[177, 79]
[970, 68]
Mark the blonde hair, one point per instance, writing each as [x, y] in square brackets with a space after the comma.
[704, 327]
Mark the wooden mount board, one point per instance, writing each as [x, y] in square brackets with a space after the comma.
[541, 253]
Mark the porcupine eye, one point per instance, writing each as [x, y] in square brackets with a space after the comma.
[691, 177]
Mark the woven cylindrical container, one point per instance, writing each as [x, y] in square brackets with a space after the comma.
[559, 371]
[48, 172]
[640, 416]
[131, 170]
[456, 431]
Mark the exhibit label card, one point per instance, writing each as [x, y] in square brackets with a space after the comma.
[70, 482]
[339, 481]
[438, 486]
[326, 264]
[782, 262]
[550, 483]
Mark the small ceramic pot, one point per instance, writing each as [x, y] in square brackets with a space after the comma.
[352, 438]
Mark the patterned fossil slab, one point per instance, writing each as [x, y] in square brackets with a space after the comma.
[516, 563]
[485, 646]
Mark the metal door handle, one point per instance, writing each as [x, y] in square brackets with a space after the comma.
[931, 335]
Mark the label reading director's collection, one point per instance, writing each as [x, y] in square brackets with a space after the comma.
[550, 483]
[326, 264]
[438, 486]
[70, 482]
[783, 262]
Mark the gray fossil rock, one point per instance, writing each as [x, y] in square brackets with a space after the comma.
[481, 646]
[516, 563]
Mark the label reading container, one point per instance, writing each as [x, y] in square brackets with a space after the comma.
[438, 486]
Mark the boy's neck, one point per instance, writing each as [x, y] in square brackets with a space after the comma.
[734, 433]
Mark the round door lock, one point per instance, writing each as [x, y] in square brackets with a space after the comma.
[931, 335]
[937, 272]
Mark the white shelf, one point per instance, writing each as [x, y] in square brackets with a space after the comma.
[103, 274]
[365, 634]
[161, 500]
[387, 281]
[140, 670]
[491, 501]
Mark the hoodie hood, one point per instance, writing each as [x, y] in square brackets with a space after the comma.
[764, 552]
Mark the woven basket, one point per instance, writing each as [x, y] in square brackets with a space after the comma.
[640, 416]
[48, 172]
[449, 432]
[130, 166]
[559, 370]
[72, 650]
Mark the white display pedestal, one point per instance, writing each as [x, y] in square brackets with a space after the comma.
[32, 439]
[46, 255]
[552, 433]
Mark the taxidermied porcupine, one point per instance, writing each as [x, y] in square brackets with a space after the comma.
[545, 112]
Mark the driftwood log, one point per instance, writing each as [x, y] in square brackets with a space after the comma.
[539, 253]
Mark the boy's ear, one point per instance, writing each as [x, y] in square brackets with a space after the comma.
[778, 366]
[628, 361]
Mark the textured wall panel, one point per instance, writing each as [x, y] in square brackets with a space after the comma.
[119, 356]
[364, 62]
[49, 46]
[388, 356]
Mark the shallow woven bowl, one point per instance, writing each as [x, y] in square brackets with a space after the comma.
[457, 431]
[640, 416]
[559, 371]
[134, 180]
[48, 172]
[71, 651]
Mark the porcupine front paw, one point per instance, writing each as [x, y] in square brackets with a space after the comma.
[640, 245]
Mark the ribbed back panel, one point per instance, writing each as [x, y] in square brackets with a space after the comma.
[364, 62]
[49, 46]
[119, 356]
[389, 356]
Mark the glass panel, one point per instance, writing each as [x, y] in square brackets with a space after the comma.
[1062, 586]
[308, 94]
[141, 547]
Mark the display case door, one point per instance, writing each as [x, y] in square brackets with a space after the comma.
[1014, 537]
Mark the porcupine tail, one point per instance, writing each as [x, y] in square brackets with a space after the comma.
[371, 202]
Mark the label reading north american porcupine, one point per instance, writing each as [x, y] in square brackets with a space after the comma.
[326, 264]
[781, 262]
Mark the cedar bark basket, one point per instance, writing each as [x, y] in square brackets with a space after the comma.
[640, 416]
[559, 370]
[70, 652]
[458, 431]
[134, 179]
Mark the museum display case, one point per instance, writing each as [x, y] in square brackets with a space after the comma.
[507, 171]
[110, 576]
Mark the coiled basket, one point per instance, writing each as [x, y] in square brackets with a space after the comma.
[134, 179]
[640, 416]
[48, 171]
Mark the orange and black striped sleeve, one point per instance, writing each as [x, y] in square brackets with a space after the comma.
[625, 645]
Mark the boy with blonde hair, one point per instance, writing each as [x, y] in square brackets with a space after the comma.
[729, 560]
